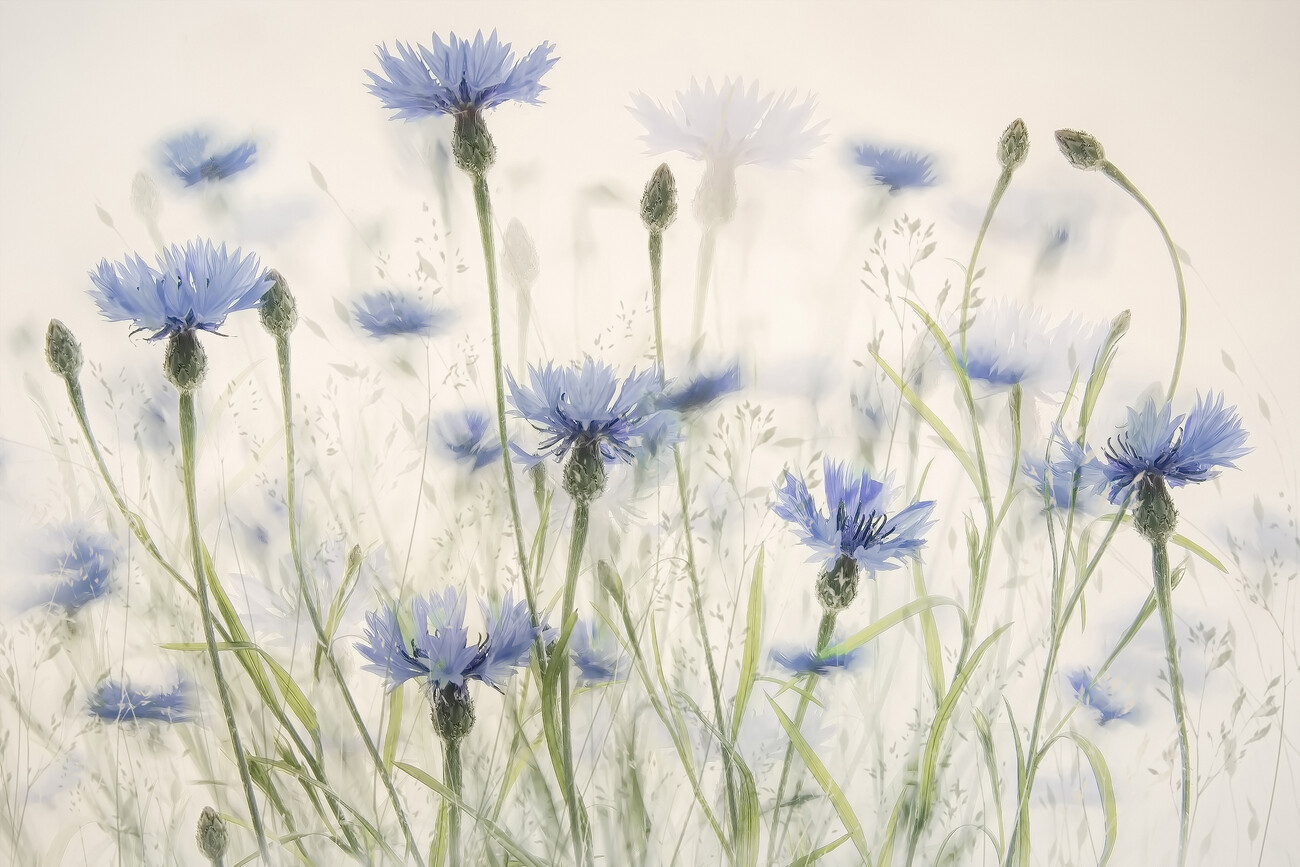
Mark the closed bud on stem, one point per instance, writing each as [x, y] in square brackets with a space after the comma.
[278, 309]
[609, 580]
[1081, 149]
[1156, 516]
[212, 835]
[584, 474]
[1013, 147]
[1119, 325]
[659, 201]
[185, 362]
[453, 712]
[471, 144]
[837, 587]
[62, 350]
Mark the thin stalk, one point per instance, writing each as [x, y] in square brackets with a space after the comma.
[824, 631]
[451, 769]
[286, 394]
[697, 597]
[577, 543]
[1112, 171]
[483, 205]
[1164, 602]
[209, 634]
[703, 271]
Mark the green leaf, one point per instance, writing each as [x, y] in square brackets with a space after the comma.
[753, 638]
[990, 753]
[933, 653]
[748, 824]
[394, 728]
[887, 622]
[817, 854]
[1101, 773]
[887, 851]
[914, 400]
[551, 696]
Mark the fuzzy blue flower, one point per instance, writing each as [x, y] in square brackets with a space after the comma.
[467, 438]
[1100, 696]
[457, 78]
[858, 527]
[82, 563]
[399, 314]
[1007, 345]
[597, 654]
[699, 391]
[189, 158]
[896, 168]
[510, 635]
[585, 405]
[801, 661]
[1055, 480]
[1179, 450]
[194, 287]
[115, 701]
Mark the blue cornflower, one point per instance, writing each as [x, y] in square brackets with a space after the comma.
[1008, 345]
[115, 701]
[188, 157]
[394, 314]
[438, 649]
[896, 168]
[1155, 444]
[466, 437]
[194, 287]
[584, 406]
[458, 78]
[83, 563]
[1058, 475]
[858, 527]
[805, 660]
[1100, 696]
[700, 391]
[597, 654]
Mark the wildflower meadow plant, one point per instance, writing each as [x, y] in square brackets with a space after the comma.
[190, 157]
[396, 314]
[115, 701]
[896, 169]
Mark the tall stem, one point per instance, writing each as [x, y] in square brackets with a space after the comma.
[703, 272]
[209, 634]
[697, 596]
[577, 543]
[452, 772]
[824, 631]
[313, 610]
[1164, 601]
[483, 205]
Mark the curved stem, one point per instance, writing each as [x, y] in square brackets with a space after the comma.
[1164, 602]
[313, 610]
[1004, 181]
[1112, 171]
[577, 543]
[209, 634]
[452, 772]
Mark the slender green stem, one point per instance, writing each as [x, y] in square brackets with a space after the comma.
[209, 634]
[703, 271]
[697, 596]
[313, 609]
[452, 772]
[1112, 171]
[1004, 181]
[824, 631]
[577, 543]
[483, 205]
[1165, 603]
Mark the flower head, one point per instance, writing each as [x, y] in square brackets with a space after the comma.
[586, 406]
[194, 287]
[510, 635]
[700, 391]
[1054, 480]
[858, 527]
[1179, 450]
[597, 654]
[399, 314]
[116, 701]
[467, 438]
[1008, 345]
[189, 158]
[1101, 696]
[82, 563]
[459, 77]
[804, 660]
[896, 168]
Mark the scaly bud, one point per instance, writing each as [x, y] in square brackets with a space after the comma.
[62, 350]
[278, 309]
[584, 473]
[185, 362]
[659, 201]
[1155, 517]
[453, 712]
[471, 144]
[212, 835]
[1013, 147]
[1081, 149]
[837, 587]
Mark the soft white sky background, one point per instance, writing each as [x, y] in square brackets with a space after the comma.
[1195, 102]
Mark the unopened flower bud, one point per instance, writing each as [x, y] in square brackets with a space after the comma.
[1081, 149]
[62, 350]
[471, 144]
[279, 310]
[1155, 517]
[659, 201]
[185, 362]
[1119, 325]
[609, 580]
[212, 836]
[837, 587]
[584, 473]
[1013, 147]
[453, 712]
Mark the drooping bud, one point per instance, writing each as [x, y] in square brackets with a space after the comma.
[837, 587]
[1081, 149]
[584, 473]
[212, 836]
[659, 201]
[1155, 517]
[1013, 147]
[471, 144]
[185, 362]
[62, 350]
[278, 309]
[453, 712]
